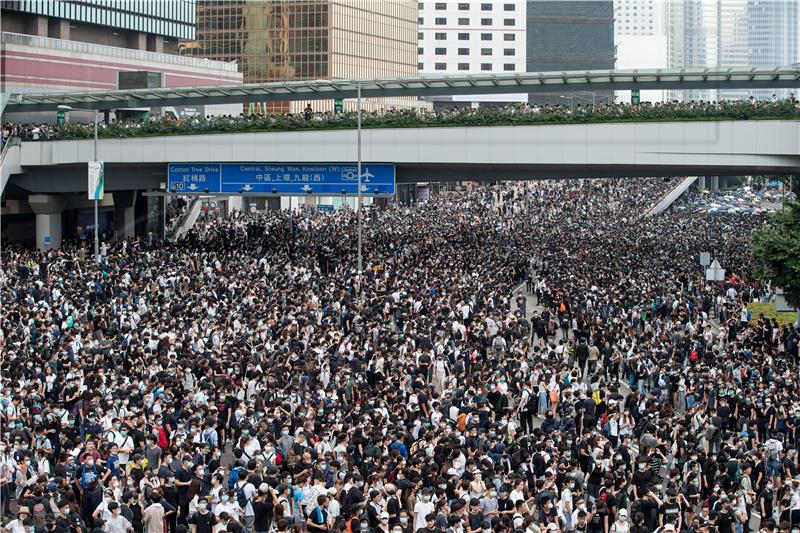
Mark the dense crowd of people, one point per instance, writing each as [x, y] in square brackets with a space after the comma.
[530, 358]
[511, 114]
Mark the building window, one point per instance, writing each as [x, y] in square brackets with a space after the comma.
[463, 21]
[420, 36]
[486, 36]
[508, 52]
[463, 36]
[440, 66]
[509, 37]
[486, 7]
[463, 51]
[420, 50]
[509, 7]
[486, 22]
[441, 36]
[509, 22]
[440, 51]
[441, 21]
[421, 21]
[463, 66]
[486, 51]
[440, 6]
[486, 66]
[463, 6]
[420, 6]
[508, 66]
[419, 66]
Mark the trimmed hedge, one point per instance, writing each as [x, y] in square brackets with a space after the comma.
[466, 117]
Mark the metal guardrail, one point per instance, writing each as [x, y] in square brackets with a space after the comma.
[114, 51]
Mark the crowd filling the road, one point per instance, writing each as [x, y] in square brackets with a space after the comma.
[508, 115]
[529, 358]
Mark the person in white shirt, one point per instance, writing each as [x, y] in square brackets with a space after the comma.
[334, 508]
[102, 510]
[228, 505]
[124, 444]
[117, 523]
[422, 508]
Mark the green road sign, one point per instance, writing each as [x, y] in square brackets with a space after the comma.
[635, 96]
[338, 105]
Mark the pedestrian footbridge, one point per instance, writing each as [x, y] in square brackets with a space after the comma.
[434, 154]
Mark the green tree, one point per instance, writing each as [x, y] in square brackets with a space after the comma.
[777, 252]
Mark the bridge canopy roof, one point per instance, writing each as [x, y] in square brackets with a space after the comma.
[428, 85]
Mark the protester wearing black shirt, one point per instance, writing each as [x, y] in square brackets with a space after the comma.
[203, 520]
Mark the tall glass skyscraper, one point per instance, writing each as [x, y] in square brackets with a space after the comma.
[569, 35]
[772, 28]
[731, 33]
[309, 39]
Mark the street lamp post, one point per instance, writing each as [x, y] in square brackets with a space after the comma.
[96, 231]
[358, 107]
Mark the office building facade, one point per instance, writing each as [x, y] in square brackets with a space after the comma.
[641, 41]
[772, 37]
[82, 45]
[472, 37]
[150, 26]
[564, 35]
[731, 33]
[314, 39]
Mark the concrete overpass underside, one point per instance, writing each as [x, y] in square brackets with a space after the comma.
[436, 154]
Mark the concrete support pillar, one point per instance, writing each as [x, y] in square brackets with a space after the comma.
[155, 43]
[48, 232]
[124, 221]
[137, 40]
[124, 214]
[701, 182]
[37, 26]
[714, 183]
[48, 210]
[235, 203]
[59, 29]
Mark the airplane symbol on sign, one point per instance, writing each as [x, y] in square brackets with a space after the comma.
[307, 188]
[192, 187]
[247, 187]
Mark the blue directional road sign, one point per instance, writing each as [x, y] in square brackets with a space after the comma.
[284, 179]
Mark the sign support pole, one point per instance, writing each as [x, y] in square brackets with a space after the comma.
[358, 89]
[96, 231]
